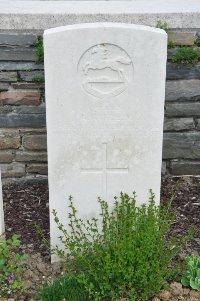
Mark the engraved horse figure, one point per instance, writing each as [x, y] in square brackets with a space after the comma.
[100, 60]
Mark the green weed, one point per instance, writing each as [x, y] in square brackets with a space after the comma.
[39, 50]
[192, 276]
[170, 45]
[38, 79]
[130, 255]
[64, 288]
[186, 55]
[163, 25]
[10, 268]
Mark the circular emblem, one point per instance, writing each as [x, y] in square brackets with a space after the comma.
[105, 70]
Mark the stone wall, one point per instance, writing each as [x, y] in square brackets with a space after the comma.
[22, 110]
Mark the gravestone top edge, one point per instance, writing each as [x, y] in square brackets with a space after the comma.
[113, 25]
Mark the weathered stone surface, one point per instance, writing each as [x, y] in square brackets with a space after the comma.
[181, 145]
[23, 156]
[30, 110]
[29, 76]
[6, 156]
[183, 90]
[20, 97]
[5, 109]
[8, 76]
[182, 109]
[18, 54]
[180, 124]
[12, 170]
[35, 142]
[181, 71]
[10, 66]
[9, 139]
[17, 39]
[33, 131]
[41, 169]
[22, 120]
[97, 127]
[171, 52]
[4, 86]
[182, 38]
[36, 15]
[198, 124]
[22, 85]
[185, 168]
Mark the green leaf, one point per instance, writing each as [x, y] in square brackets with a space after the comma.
[194, 284]
[185, 281]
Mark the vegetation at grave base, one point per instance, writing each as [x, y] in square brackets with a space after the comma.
[192, 276]
[64, 288]
[170, 45]
[39, 50]
[38, 79]
[186, 55]
[197, 42]
[19, 77]
[130, 255]
[163, 25]
[10, 266]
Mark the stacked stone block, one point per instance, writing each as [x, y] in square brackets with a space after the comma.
[181, 145]
[23, 150]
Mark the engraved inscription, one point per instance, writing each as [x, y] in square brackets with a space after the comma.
[105, 170]
[105, 70]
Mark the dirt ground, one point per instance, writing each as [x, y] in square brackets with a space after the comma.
[27, 204]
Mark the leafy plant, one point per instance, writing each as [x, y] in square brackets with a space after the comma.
[63, 288]
[186, 55]
[126, 253]
[197, 41]
[192, 276]
[38, 79]
[39, 50]
[10, 269]
[163, 25]
[170, 44]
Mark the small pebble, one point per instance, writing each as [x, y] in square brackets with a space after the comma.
[195, 294]
[186, 291]
[165, 295]
[155, 299]
[176, 288]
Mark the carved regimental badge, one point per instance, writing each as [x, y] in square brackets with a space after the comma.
[105, 70]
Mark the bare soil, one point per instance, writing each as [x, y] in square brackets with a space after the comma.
[27, 204]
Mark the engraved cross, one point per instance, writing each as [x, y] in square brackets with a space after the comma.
[105, 171]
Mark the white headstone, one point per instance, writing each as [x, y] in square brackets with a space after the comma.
[2, 226]
[105, 85]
